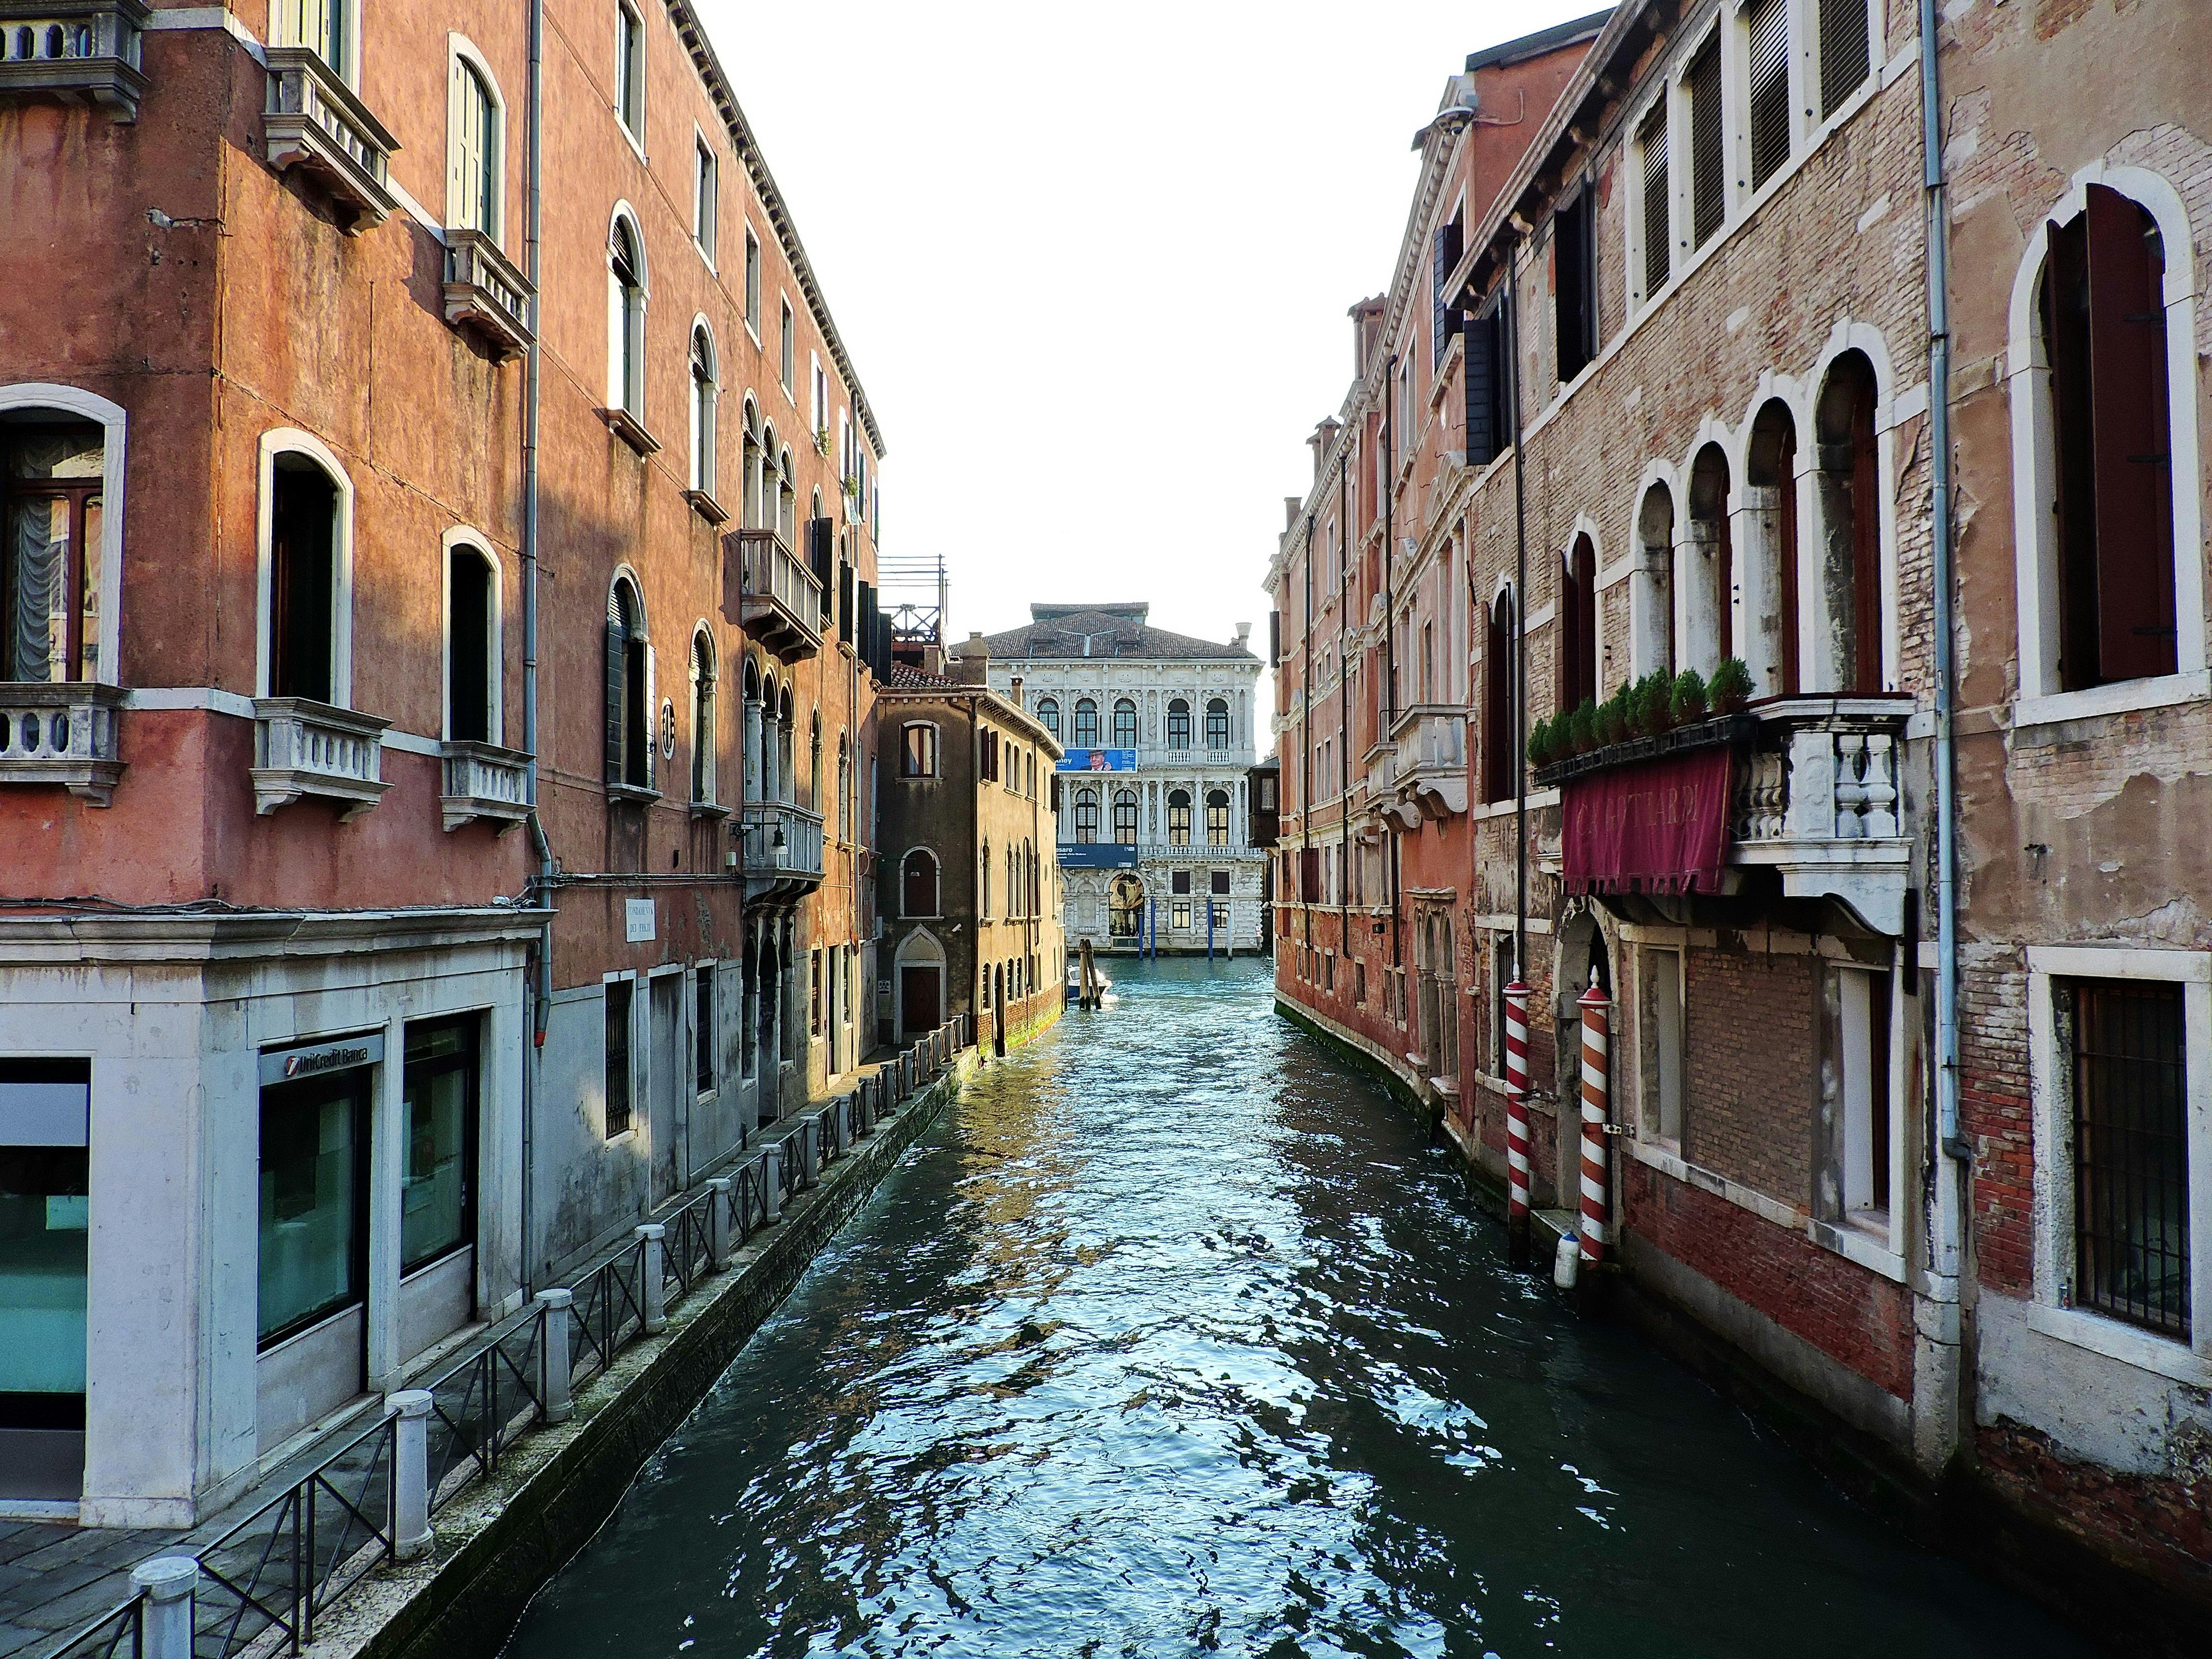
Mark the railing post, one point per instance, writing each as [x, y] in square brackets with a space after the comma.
[169, 1583]
[654, 1288]
[718, 1226]
[410, 1472]
[1516, 1123]
[810, 1148]
[772, 1173]
[553, 1347]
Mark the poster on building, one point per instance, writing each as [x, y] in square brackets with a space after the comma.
[1099, 760]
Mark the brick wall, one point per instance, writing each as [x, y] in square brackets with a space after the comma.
[1752, 1049]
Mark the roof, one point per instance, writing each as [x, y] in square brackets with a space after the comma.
[1065, 632]
[905, 677]
[906, 681]
[1543, 40]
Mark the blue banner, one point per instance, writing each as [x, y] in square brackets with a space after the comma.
[1099, 760]
[1096, 855]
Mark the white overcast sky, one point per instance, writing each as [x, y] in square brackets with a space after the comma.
[1093, 263]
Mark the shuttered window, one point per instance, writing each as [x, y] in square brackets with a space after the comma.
[1770, 88]
[1658, 187]
[471, 181]
[1708, 145]
[1843, 56]
[1443, 314]
[1497, 770]
[1574, 285]
[628, 691]
[1488, 432]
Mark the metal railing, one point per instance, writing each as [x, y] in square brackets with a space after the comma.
[609, 1310]
[479, 1405]
[118, 1633]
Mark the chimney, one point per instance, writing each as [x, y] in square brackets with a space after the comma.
[1016, 696]
[932, 660]
[1244, 633]
[974, 666]
[1291, 506]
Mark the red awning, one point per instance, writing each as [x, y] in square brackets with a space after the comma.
[1659, 826]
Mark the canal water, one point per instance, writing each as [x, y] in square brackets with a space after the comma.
[1174, 1336]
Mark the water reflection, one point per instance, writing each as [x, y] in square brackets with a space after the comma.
[1175, 1338]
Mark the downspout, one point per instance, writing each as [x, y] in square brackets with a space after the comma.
[1305, 739]
[1517, 683]
[1343, 726]
[1390, 631]
[542, 884]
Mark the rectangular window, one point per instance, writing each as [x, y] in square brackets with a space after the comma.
[1220, 916]
[1444, 315]
[704, 202]
[1845, 57]
[1179, 881]
[1659, 1043]
[50, 537]
[1220, 881]
[1179, 914]
[1768, 27]
[630, 70]
[2122, 1048]
[1658, 199]
[918, 759]
[617, 1058]
[45, 1220]
[702, 1031]
[788, 365]
[1489, 428]
[1574, 283]
[1862, 1032]
[438, 1113]
[1707, 145]
[1359, 980]
[752, 282]
[814, 998]
[314, 1201]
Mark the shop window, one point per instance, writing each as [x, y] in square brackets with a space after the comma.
[616, 1078]
[437, 1181]
[314, 1201]
[50, 550]
[44, 1221]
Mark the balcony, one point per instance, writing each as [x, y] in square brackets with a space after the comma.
[1816, 797]
[302, 748]
[62, 734]
[778, 602]
[779, 850]
[484, 292]
[315, 123]
[485, 783]
[1430, 763]
[74, 51]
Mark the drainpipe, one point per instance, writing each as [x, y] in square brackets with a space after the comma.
[1343, 726]
[1305, 738]
[1517, 684]
[1390, 626]
[542, 885]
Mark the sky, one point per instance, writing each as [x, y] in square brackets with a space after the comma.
[1093, 263]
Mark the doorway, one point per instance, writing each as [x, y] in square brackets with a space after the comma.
[45, 1220]
[664, 1072]
[920, 995]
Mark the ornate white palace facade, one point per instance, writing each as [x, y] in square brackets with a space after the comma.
[1152, 797]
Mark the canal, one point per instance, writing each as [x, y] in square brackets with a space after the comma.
[1174, 1336]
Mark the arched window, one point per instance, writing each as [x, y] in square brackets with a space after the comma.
[918, 883]
[471, 647]
[813, 802]
[307, 513]
[50, 520]
[473, 143]
[787, 498]
[1497, 770]
[1178, 724]
[1125, 723]
[749, 736]
[1651, 594]
[1049, 713]
[1086, 723]
[983, 871]
[752, 483]
[918, 753]
[1707, 576]
[1178, 817]
[1847, 599]
[625, 319]
[1217, 817]
[1770, 560]
[771, 744]
[703, 717]
[1125, 817]
[845, 825]
[1086, 815]
[1216, 723]
[786, 743]
[703, 410]
[1577, 623]
[628, 689]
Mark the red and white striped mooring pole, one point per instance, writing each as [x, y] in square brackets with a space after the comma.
[1516, 1123]
[1594, 1004]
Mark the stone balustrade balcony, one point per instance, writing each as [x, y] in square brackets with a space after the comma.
[316, 123]
[1429, 762]
[62, 733]
[483, 783]
[302, 748]
[779, 850]
[1817, 797]
[484, 292]
[74, 51]
[778, 601]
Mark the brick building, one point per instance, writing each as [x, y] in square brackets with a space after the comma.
[439, 669]
[1650, 392]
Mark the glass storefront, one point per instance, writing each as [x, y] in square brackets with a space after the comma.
[314, 1198]
[44, 1219]
[437, 1203]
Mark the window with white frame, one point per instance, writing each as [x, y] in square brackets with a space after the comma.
[787, 364]
[471, 646]
[1655, 198]
[705, 198]
[324, 26]
[51, 519]
[1846, 51]
[703, 394]
[1766, 40]
[1851, 1176]
[1708, 193]
[629, 69]
[918, 754]
[1659, 1052]
[752, 282]
[308, 507]
[625, 318]
[473, 142]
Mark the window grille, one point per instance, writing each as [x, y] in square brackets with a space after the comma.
[1658, 234]
[1770, 88]
[617, 1051]
[1708, 146]
[2130, 1109]
[1843, 55]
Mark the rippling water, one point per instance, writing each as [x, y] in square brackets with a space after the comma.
[1174, 1337]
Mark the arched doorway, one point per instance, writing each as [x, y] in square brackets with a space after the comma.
[920, 976]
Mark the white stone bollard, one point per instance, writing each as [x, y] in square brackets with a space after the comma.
[169, 1583]
[410, 1472]
[655, 1288]
[553, 1338]
[772, 1167]
[718, 1223]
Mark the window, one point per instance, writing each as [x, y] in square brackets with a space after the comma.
[787, 365]
[983, 873]
[1442, 315]
[471, 647]
[987, 756]
[1178, 817]
[1771, 562]
[1048, 712]
[821, 391]
[1179, 882]
[44, 1235]
[625, 319]
[1086, 723]
[1489, 418]
[438, 1110]
[314, 1201]
[1216, 723]
[703, 410]
[1854, 1181]
[752, 282]
[628, 690]
[1708, 564]
[703, 734]
[1658, 199]
[2123, 1077]
[629, 69]
[1219, 883]
[324, 25]
[472, 142]
[1498, 768]
[1178, 724]
[1086, 815]
[1844, 57]
[1848, 599]
[1125, 723]
[1707, 145]
[1651, 595]
[814, 993]
[50, 550]
[1768, 29]
[1577, 623]
[705, 201]
[618, 1057]
[1217, 817]
[305, 503]
[1574, 283]
[1659, 1052]
[1266, 792]
[919, 757]
[1125, 817]
[2103, 332]
[1179, 912]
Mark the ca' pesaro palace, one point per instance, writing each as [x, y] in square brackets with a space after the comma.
[1752, 596]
